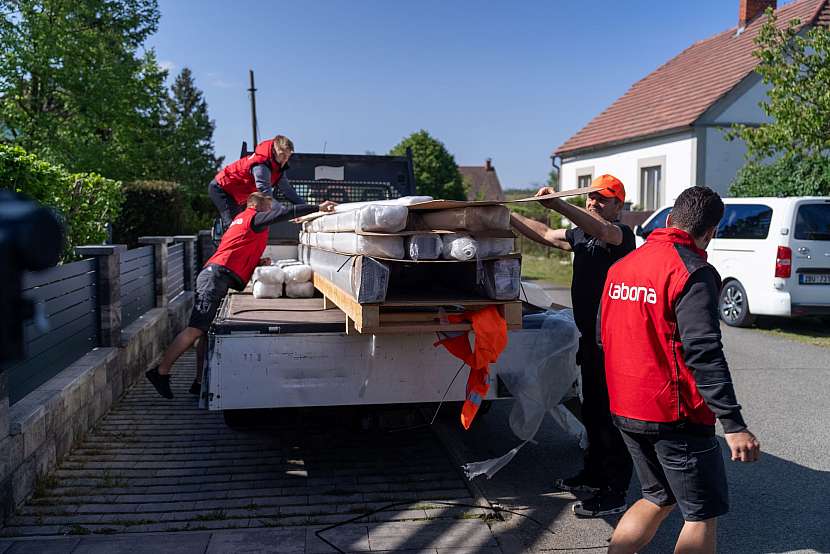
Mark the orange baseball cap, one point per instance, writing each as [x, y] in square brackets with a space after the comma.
[609, 186]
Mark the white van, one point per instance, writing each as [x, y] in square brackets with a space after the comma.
[772, 253]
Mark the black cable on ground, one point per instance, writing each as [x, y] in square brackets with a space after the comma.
[495, 509]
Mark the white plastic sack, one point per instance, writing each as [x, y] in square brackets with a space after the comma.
[424, 247]
[268, 274]
[299, 290]
[459, 247]
[267, 290]
[299, 273]
[403, 201]
[371, 218]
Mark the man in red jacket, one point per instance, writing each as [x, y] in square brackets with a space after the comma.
[668, 379]
[230, 267]
[260, 171]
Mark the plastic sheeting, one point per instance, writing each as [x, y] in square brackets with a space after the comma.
[471, 218]
[403, 201]
[299, 273]
[462, 247]
[502, 279]
[540, 387]
[424, 247]
[372, 218]
[350, 243]
[299, 290]
[268, 274]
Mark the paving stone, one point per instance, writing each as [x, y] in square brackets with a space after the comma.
[190, 543]
[351, 538]
[260, 541]
[43, 546]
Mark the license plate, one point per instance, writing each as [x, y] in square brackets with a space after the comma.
[814, 279]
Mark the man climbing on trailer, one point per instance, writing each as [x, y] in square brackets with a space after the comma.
[229, 268]
[258, 172]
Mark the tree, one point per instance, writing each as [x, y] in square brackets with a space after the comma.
[190, 157]
[796, 66]
[436, 172]
[75, 88]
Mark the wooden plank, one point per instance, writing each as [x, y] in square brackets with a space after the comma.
[56, 305]
[402, 327]
[33, 279]
[84, 325]
[135, 253]
[78, 310]
[512, 312]
[56, 289]
[136, 263]
[362, 314]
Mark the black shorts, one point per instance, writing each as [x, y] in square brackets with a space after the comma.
[212, 286]
[683, 469]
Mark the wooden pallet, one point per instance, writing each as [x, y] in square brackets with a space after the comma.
[397, 316]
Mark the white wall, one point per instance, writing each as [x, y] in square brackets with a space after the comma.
[679, 151]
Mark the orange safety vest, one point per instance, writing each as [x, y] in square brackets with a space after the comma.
[490, 330]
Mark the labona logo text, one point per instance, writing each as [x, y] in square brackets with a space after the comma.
[633, 293]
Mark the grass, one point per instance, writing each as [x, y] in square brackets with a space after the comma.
[552, 270]
[808, 330]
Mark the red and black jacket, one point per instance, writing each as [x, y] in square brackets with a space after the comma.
[237, 179]
[661, 338]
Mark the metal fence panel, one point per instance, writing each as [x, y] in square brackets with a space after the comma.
[138, 293]
[175, 270]
[67, 296]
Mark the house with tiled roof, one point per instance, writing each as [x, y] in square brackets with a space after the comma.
[667, 132]
[481, 181]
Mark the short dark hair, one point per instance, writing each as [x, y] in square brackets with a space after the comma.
[697, 210]
[257, 199]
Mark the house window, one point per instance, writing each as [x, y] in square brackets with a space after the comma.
[583, 181]
[650, 181]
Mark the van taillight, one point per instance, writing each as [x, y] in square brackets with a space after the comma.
[784, 262]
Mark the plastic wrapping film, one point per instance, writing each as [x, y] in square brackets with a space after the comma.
[502, 279]
[267, 290]
[460, 246]
[299, 290]
[539, 387]
[364, 279]
[471, 218]
[374, 218]
[424, 247]
[269, 275]
[350, 243]
[403, 201]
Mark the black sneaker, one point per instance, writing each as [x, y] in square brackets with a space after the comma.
[196, 388]
[602, 504]
[160, 382]
[581, 482]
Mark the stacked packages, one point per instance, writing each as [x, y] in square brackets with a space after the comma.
[296, 276]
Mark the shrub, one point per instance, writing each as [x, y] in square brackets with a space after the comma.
[85, 202]
[788, 176]
[150, 208]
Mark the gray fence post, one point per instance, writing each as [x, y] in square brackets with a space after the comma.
[160, 266]
[189, 249]
[204, 247]
[109, 289]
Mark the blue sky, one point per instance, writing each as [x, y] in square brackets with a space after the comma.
[507, 80]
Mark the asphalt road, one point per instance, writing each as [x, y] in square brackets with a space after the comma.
[780, 504]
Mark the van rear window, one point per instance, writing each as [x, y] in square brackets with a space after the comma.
[745, 221]
[813, 222]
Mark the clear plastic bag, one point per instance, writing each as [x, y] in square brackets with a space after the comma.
[299, 290]
[268, 274]
[267, 290]
[424, 247]
[299, 273]
[460, 247]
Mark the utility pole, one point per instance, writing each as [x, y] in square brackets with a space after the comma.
[252, 90]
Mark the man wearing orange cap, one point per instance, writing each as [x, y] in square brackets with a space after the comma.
[597, 241]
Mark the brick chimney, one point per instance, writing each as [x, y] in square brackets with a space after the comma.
[748, 10]
[488, 164]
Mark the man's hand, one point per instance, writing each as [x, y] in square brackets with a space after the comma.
[744, 446]
[264, 261]
[551, 203]
[327, 206]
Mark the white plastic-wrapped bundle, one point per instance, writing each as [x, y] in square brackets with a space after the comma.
[267, 290]
[424, 247]
[502, 279]
[299, 290]
[403, 201]
[268, 274]
[489, 247]
[471, 218]
[369, 245]
[372, 218]
[298, 273]
[458, 246]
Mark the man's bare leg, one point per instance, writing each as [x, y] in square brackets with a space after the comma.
[637, 527]
[698, 537]
[180, 344]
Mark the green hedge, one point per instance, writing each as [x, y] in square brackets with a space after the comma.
[85, 201]
[789, 176]
[151, 208]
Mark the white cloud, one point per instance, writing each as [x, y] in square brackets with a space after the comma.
[167, 65]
